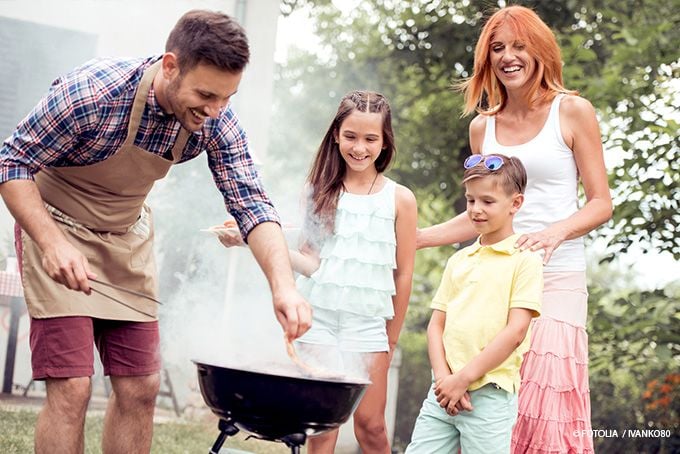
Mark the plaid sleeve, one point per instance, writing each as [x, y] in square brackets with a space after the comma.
[236, 177]
[51, 129]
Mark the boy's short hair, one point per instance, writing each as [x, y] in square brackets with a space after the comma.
[512, 176]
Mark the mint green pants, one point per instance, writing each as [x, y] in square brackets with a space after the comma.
[486, 429]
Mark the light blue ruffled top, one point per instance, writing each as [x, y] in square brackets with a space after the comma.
[357, 261]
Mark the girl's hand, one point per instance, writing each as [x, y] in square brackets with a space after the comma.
[548, 239]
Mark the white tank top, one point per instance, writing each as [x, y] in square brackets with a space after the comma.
[552, 184]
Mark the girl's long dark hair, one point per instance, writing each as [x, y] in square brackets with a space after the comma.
[328, 170]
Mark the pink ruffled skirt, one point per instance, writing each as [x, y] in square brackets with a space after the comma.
[554, 397]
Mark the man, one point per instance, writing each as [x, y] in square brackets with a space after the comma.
[75, 175]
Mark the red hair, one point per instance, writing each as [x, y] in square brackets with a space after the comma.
[540, 43]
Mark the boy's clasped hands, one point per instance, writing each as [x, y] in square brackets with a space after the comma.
[452, 394]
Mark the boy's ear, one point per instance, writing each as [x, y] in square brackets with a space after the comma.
[517, 201]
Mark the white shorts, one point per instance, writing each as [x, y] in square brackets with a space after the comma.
[347, 332]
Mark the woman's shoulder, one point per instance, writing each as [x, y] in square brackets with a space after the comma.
[477, 129]
[574, 106]
[478, 124]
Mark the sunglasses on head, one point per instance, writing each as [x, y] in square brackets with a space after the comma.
[491, 162]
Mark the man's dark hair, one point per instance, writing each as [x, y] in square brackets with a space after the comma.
[208, 37]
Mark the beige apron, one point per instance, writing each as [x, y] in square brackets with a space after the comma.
[100, 208]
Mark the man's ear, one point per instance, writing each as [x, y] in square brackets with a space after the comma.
[170, 65]
[517, 201]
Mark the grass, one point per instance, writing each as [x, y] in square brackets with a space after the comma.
[177, 437]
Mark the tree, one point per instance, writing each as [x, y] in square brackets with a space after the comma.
[624, 56]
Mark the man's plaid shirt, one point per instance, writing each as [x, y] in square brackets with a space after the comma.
[83, 119]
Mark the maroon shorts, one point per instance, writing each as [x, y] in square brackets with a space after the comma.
[63, 347]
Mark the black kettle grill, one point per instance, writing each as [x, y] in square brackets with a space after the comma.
[276, 407]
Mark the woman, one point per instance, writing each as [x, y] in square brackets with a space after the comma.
[525, 111]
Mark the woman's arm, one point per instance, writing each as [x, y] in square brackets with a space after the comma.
[405, 227]
[581, 133]
[457, 229]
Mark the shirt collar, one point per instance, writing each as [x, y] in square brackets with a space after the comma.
[506, 246]
[155, 109]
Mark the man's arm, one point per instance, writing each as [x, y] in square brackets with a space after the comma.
[269, 248]
[60, 259]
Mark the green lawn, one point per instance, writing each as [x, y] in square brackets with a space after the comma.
[16, 436]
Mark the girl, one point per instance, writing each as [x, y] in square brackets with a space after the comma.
[357, 255]
[525, 111]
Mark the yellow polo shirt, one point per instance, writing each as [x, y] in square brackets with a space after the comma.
[478, 288]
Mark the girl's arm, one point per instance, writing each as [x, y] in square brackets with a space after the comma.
[405, 227]
[581, 133]
[305, 261]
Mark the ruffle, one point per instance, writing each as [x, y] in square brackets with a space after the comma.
[356, 249]
[552, 337]
[379, 205]
[364, 301]
[352, 273]
[536, 436]
[544, 403]
[357, 261]
[367, 227]
[554, 396]
[551, 371]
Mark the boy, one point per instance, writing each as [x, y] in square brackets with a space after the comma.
[488, 294]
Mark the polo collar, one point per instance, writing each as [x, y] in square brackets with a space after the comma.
[506, 246]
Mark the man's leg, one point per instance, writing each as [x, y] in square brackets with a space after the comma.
[62, 355]
[60, 425]
[131, 357]
[128, 423]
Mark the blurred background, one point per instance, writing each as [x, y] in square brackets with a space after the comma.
[624, 56]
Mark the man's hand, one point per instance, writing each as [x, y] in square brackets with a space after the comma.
[67, 265]
[293, 313]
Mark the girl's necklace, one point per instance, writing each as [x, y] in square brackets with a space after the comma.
[371, 188]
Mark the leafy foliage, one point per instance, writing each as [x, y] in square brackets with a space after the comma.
[624, 56]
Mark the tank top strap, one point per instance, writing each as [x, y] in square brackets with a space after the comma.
[489, 134]
[553, 122]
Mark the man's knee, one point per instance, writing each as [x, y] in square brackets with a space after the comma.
[69, 396]
[136, 391]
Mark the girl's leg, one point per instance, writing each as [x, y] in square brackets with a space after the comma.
[323, 444]
[369, 417]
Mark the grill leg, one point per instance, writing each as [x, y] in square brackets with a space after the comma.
[218, 443]
[227, 429]
[294, 441]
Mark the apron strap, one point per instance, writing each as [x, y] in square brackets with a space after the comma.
[140, 101]
[138, 108]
